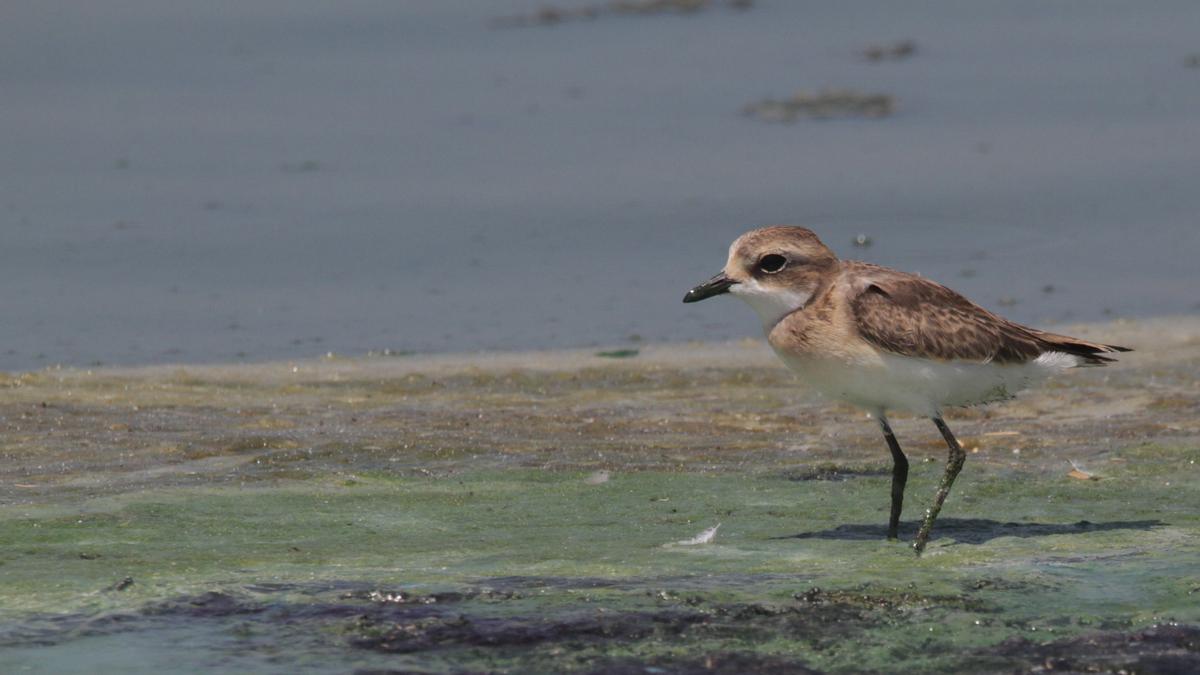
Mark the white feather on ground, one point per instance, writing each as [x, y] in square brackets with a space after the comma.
[704, 537]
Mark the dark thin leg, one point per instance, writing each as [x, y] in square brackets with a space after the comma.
[899, 477]
[953, 465]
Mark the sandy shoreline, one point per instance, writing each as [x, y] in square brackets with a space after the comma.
[703, 404]
[196, 423]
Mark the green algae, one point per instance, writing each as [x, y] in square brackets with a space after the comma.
[982, 581]
[618, 353]
[450, 519]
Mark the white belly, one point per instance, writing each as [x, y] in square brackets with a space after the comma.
[891, 382]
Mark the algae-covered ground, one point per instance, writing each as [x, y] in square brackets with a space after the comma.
[524, 513]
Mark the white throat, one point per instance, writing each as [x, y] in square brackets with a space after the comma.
[772, 304]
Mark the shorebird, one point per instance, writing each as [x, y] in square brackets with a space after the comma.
[885, 340]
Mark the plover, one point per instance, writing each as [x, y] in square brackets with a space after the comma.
[887, 340]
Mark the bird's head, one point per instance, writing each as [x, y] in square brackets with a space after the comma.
[775, 269]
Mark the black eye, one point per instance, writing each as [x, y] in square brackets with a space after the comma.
[772, 263]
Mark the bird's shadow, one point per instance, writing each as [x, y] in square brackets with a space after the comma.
[974, 530]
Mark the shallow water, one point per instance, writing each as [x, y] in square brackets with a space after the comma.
[221, 180]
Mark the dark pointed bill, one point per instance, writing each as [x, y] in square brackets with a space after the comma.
[714, 286]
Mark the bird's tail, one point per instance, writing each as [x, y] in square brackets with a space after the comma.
[1089, 353]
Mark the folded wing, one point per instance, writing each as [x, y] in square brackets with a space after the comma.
[911, 316]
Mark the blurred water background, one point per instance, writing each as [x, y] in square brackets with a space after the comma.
[229, 180]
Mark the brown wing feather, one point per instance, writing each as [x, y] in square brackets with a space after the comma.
[911, 316]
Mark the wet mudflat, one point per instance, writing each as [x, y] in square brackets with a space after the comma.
[528, 513]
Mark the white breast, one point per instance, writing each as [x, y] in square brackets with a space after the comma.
[922, 386]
